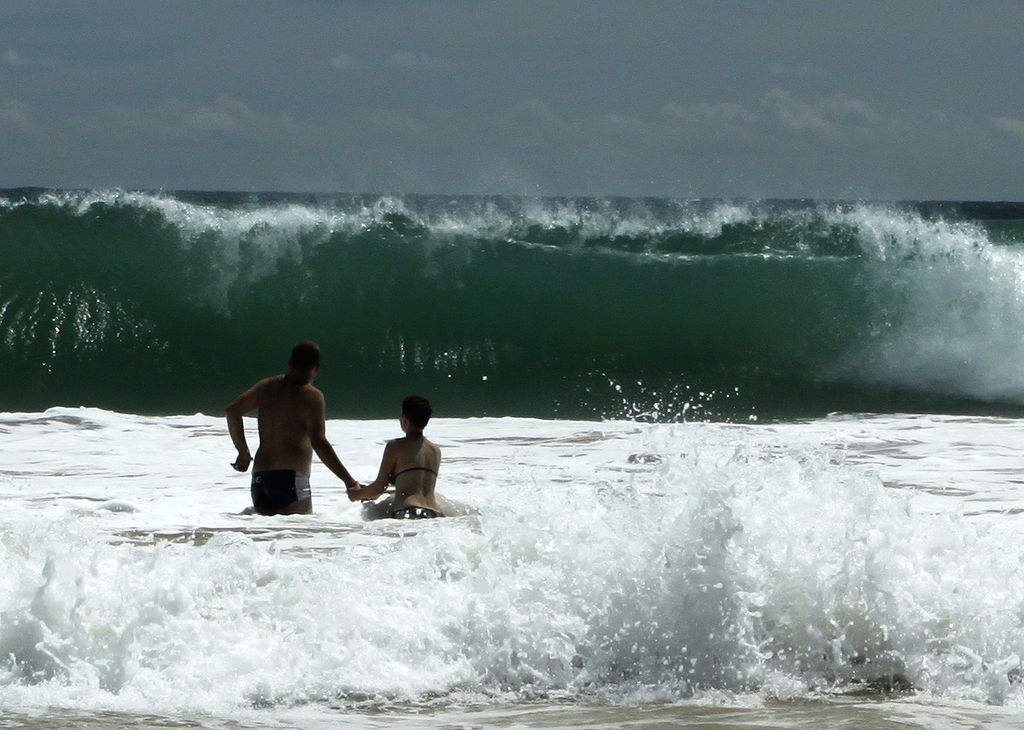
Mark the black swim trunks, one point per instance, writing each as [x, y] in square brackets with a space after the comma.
[414, 513]
[272, 491]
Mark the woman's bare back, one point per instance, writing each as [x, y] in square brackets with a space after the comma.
[414, 474]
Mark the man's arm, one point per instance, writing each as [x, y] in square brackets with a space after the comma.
[380, 484]
[318, 439]
[244, 403]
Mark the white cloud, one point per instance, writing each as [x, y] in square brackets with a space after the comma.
[531, 114]
[845, 109]
[14, 58]
[14, 113]
[703, 113]
[802, 72]
[834, 118]
[713, 121]
[343, 62]
[530, 123]
[225, 116]
[624, 125]
[393, 122]
[1010, 125]
[11, 57]
[177, 118]
[798, 116]
[418, 62]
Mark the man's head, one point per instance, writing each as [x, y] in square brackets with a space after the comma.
[417, 411]
[305, 358]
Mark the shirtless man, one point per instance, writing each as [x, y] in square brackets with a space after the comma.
[291, 427]
[410, 464]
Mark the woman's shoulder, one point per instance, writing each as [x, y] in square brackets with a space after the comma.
[402, 443]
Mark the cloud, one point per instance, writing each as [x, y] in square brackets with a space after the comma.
[343, 62]
[703, 113]
[798, 116]
[177, 118]
[845, 109]
[418, 62]
[803, 72]
[833, 119]
[13, 58]
[836, 119]
[534, 109]
[530, 123]
[14, 113]
[225, 116]
[713, 121]
[1010, 125]
[624, 125]
[393, 122]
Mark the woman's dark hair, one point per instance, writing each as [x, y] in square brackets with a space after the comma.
[417, 410]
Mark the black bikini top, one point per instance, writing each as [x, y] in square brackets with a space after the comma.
[396, 474]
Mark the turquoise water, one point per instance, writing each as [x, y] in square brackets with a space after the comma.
[658, 309]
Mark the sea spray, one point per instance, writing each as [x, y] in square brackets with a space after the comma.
[614, 563]
[946, 306]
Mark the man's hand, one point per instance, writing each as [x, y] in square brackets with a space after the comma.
[351, 489]
[242, 462]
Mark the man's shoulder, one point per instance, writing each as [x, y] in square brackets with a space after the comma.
[264, 385]
[312, 394]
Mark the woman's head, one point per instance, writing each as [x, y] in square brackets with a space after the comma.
[417, 411]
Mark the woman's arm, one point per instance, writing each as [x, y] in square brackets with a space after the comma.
[380, 484]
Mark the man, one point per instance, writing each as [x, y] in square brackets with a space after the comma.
[291, 428]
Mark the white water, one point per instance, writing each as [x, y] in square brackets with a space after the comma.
[612, 564]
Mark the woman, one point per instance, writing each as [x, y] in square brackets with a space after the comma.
[410, 464]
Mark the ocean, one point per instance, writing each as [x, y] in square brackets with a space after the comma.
[708, 463]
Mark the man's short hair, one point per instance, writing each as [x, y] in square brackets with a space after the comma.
[305, 356]
[417, 410]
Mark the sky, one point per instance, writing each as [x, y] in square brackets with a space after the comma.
[894, 100]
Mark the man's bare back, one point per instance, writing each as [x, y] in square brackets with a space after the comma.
[287, 406]
[291, 427]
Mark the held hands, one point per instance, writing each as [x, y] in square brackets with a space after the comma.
[352, 491]
[242, 462]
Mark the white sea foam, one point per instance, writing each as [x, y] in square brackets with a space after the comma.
[610, 561]
[277, 226]
[947, 306]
